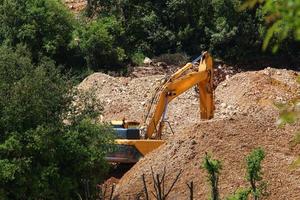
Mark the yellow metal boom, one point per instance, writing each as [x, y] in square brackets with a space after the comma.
[180, 82]
[132, 148]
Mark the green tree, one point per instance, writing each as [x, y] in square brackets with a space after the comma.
[282, 17]
[100, 42]
[44, 26]
[254, 174]
[213, 168]
[42, 157]
[156, 27]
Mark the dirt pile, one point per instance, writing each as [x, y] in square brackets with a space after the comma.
[254, 93]
[229, 140]
[247, 93]
[245, 118]
[221, 71]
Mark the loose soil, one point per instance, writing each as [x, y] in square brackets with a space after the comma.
[245, 119]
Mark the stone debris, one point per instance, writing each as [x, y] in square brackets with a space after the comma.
[244, 119]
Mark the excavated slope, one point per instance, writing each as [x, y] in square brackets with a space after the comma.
[245, 119]
[229, 141]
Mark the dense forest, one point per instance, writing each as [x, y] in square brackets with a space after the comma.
[48, 147]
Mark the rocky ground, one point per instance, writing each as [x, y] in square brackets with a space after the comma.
[245, 118]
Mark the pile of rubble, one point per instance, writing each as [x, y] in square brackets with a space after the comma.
[245, 119]
[221, 70]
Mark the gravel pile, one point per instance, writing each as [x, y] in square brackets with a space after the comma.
[245, 118]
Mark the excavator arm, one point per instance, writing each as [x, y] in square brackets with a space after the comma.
[179, 83]
[130, 147]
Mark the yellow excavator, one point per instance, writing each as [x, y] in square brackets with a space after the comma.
[132, 142]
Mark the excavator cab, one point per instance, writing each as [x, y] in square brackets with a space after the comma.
[126, 129]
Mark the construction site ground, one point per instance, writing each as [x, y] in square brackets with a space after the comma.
[245, 119]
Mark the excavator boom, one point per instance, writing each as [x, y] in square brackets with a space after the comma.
[179, 83]
[131, 146]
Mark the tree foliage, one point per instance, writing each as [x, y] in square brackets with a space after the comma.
[40, 156]
[213, 168]
[254, 174]
[100, 42]
[156, 27]
[44, 26]
[240, 194]
[282, 17]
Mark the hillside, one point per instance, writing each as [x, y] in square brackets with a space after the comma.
[245, 119]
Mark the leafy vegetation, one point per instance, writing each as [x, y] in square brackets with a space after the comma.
[44, 26]
[100, 43]
[254, 174]
[154, 28]
[213, 168]
[122, 32]
[41, 156]
[283, 19]
[240, 194]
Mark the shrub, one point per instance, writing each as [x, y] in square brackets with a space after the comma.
[240, 194]
[254, 171]
[44, 26]
[100, 42]
[40, 156]
[158, 27]
[138, 58]
[213, 168]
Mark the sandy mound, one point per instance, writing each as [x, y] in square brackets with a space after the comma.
[247, 93]
[245, 119]
[229, 141]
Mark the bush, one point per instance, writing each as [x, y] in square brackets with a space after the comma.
[44, 26]
[213, 168]
[254, 174]
[240, 194]
[100, 42]
[158, 27]
[40, 156]
[24, 104]
[138, 58]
